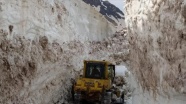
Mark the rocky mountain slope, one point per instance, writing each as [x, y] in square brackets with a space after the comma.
[157, 37]
[110, 11]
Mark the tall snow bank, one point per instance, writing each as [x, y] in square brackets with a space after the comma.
[42, 46]
[157, 37]
[57, 19]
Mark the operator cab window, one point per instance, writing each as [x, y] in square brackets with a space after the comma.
[111, 71]
[95, 70]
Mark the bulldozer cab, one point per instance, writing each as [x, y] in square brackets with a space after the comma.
[99, 70]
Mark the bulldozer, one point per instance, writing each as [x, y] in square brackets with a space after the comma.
[95, 85]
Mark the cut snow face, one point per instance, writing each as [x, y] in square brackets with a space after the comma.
[42, 46]
[157, 37]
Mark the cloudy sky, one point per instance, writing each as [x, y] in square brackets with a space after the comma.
[118, 3]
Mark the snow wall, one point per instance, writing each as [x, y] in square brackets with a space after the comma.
[42, 46]
[157, 38]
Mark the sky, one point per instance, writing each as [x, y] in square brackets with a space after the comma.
[118, 3]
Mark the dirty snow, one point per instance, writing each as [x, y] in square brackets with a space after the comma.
[40, 45]
[156, 33]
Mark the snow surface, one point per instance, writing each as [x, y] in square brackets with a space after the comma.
[63, 20]
[157, 37]
[120, 70]
[42, 47]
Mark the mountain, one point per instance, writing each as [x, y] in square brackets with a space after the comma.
[110, 11]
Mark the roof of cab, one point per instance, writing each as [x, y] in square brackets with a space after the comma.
[102, 61]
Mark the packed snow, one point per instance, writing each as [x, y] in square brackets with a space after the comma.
[157, 30]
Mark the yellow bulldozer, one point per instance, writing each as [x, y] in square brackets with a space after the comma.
[95, 85]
